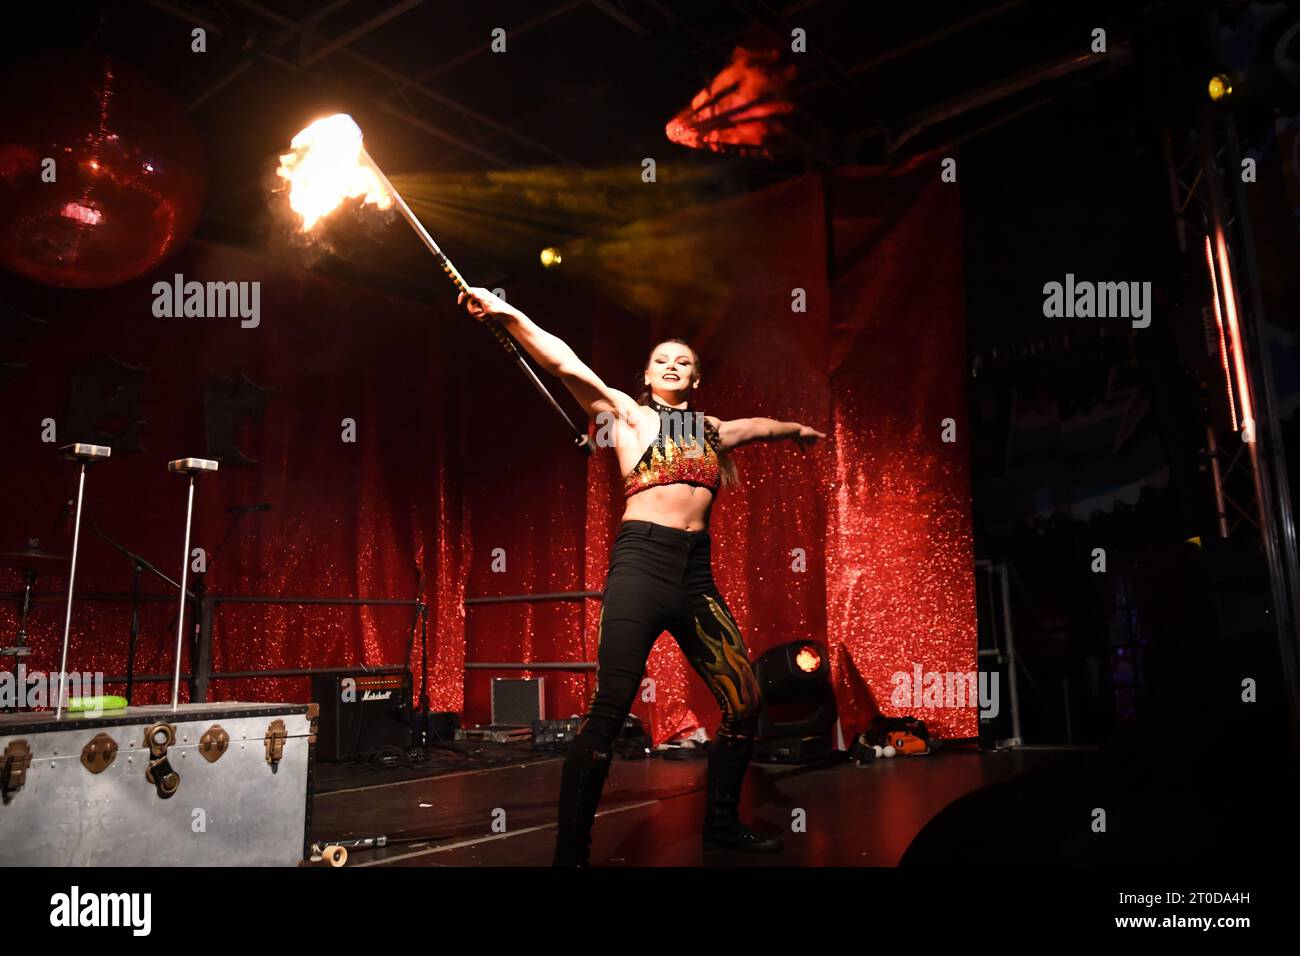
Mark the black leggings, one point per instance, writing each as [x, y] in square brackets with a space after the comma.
[660, 579]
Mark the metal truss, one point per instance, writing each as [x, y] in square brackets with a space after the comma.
[1212, 223]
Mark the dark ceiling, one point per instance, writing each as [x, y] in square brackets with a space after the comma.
[584, 83]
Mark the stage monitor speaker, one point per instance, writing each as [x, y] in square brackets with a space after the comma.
[518, 701]
[362, 712]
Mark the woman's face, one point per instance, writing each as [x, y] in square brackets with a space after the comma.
[672, 371]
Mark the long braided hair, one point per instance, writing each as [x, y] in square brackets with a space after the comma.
[644, 394]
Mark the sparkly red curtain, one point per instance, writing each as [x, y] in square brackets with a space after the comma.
[835, 301]
[363, 518]
[900, 588]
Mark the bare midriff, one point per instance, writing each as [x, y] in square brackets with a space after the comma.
[677, 506]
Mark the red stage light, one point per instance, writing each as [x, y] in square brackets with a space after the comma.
[741, 110]
[808, 659]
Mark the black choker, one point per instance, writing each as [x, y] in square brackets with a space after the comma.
[660, 406]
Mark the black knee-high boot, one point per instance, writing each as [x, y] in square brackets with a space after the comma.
[728, 759]
[586, 765]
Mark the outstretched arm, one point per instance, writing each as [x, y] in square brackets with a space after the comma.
[552, 353]
[742, 431]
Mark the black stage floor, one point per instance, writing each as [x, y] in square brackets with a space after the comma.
[650, 815]
[1021, 807]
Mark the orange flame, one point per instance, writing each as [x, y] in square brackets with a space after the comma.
[328, 165]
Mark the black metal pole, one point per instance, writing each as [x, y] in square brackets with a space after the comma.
[424, 659]
[202, 647]
[1277, 524]
[531, 598]
[257, 599]
[136, 570]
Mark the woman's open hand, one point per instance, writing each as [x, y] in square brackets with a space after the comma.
[483, 303]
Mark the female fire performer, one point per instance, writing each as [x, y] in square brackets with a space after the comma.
[673, 464]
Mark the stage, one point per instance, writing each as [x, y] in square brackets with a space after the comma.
[651, 810]
[1024, 801]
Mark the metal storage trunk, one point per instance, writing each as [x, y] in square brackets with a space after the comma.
[219, 784]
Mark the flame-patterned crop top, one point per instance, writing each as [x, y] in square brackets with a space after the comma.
[676, 456]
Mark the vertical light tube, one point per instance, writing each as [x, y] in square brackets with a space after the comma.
[1223, 345]
[1234, 330]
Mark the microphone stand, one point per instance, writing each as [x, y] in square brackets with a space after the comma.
[138, 566]
[136, 570]
[238, 513]
[420, 714]
[224, 538]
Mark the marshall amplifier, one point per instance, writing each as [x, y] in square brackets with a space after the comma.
[361, 712]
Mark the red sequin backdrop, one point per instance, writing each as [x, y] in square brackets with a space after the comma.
[459, 476]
